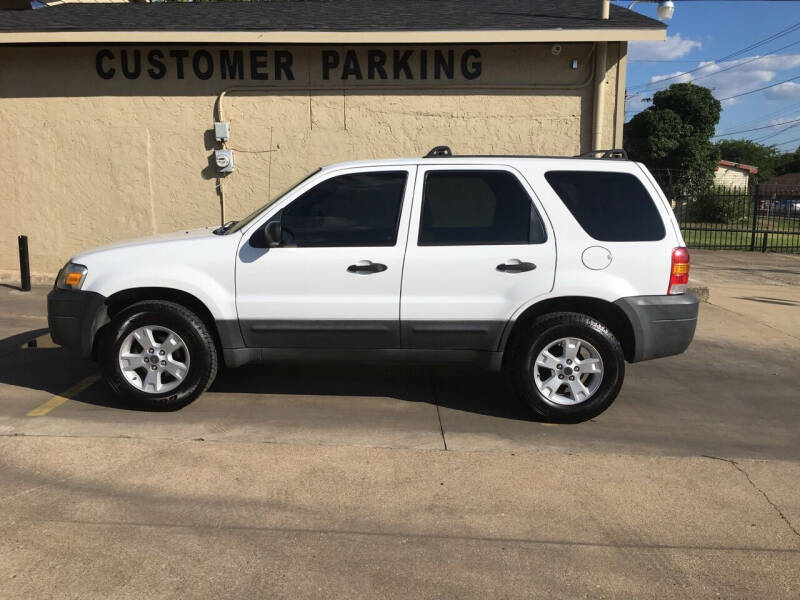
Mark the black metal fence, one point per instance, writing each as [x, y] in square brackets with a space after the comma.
[757, 217]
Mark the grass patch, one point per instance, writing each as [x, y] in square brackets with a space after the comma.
[738, 240]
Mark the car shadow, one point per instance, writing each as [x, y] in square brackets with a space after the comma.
[461, 388]
[40, 366]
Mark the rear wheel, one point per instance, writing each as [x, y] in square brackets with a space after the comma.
[567, 367]
[158, 354]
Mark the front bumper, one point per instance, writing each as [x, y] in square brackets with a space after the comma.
[662, 325]
[74, 317]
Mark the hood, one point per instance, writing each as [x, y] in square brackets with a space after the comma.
[151, 240]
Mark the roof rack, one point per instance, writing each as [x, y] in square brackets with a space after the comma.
[616, 153]
[439, 152]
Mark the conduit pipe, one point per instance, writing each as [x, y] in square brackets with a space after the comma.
[600, 83]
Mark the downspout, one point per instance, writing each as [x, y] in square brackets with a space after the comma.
[600, 83]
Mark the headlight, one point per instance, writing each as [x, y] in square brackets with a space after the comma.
[71, 277]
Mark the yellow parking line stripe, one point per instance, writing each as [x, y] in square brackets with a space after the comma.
[59, 399]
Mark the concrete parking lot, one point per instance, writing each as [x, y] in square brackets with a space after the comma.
[363, 481]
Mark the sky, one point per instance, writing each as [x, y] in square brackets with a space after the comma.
[701, 33]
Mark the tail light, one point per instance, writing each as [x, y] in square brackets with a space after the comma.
[679, 273]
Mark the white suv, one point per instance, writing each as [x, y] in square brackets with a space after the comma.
[557, 270]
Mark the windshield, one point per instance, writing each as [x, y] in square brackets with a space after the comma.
[234, 226]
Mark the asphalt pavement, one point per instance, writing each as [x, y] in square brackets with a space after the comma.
[370, 481]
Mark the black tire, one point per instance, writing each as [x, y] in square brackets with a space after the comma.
[199, 342]
[545, 330]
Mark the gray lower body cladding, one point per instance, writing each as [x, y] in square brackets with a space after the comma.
[662, 325]
[373, 334]
[74, 317]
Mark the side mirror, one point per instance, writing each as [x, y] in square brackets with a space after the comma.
[273, 234]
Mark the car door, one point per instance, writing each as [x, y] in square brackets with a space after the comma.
[334, 282]
[478, 249]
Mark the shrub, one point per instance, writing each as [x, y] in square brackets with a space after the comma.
[721, 205]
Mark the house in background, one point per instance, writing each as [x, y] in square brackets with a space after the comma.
[788, 182]
[782, 194]
[733, 175]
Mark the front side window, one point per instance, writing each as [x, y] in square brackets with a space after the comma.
[611, 207]
[359, 209]
[235, 226]
[477, 208]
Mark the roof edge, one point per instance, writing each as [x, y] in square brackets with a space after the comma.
[741, 166]
[335, 37]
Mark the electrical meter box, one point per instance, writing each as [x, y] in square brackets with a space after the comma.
[224, 161]
[222, 131]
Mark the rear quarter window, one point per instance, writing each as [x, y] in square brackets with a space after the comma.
[611, 207]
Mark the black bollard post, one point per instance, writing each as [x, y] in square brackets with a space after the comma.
[24, 264]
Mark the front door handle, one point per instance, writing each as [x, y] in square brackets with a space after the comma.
[516, 266]
[366, 267]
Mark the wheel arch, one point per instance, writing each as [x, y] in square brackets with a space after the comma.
[122, 299]
[608, 313]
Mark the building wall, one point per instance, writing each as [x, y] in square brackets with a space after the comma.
[731, 177]
[98, 153]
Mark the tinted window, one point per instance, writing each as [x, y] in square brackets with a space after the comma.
[611, 207]
[477, 208]
[361, 209]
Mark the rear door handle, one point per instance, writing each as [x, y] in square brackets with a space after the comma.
[366, 267]
[516, 266]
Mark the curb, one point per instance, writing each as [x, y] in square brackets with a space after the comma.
[11, 277]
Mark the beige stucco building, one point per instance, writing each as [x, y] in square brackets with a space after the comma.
[108, 110]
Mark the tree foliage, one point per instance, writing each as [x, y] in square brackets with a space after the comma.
[788, 162]
[749, 152]
[769, 161]
[675, 133]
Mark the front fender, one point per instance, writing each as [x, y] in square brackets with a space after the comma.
[218, 296]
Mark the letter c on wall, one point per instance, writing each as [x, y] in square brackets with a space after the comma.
[104, 73]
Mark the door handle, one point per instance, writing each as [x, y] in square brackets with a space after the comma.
[516, 266]
[366, 267]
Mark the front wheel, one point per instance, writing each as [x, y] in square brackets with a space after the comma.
[158, 354]
[567, 367]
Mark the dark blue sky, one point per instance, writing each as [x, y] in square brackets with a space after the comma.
[707, 31]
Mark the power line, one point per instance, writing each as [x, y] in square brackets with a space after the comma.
[797, 139]
[747, 62]
[726, 58]
[766, 87]
[660, 60]
[769, 136]
[756, 128]
[786, 109]
[754, 59]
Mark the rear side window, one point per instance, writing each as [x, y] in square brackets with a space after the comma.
[462, 208]
[611, 207]
[359, 209]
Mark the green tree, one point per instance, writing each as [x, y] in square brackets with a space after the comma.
[749, 152]
[788, 162]
[675, 133]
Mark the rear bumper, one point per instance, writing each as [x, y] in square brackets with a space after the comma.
[74, 316]
[662, 325]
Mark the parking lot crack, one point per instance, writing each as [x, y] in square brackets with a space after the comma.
[774, 506]
[432, 385]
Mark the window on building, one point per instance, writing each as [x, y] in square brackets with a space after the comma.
[611, 207]
[477, 208]
[359, 209]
